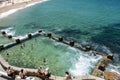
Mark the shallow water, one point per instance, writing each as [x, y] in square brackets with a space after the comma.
[3, 40]
[59, 57]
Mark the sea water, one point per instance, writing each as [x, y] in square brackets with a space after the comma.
[92, 22]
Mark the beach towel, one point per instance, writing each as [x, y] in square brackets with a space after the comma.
[27, 78]
[4, 74]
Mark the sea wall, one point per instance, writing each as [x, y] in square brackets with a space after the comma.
[41, 33]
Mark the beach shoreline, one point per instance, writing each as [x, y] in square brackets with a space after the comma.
[9, 9]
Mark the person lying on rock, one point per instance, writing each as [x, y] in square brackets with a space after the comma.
[10, 72]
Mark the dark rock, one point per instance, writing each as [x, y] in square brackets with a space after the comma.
[102, 68]
[1, 46]
[110, 56]
[88, 48]
[60, 39]
[17, 41]
[3, 32]
[39, 30]
[9, 36]
[29, 36]
[49, 34]
[71, 43]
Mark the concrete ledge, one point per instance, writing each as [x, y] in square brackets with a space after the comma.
[30, 72]
[101, 66]
[111, 75]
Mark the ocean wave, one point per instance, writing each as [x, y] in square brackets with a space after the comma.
[35, 3]
[5, 14]
[100, 48]
[9, 31]
[84, 65]
[19, 37]
[113, 68]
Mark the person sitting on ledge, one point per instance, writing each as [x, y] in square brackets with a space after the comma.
[47, 74]
[22, 74]
[40, 71]
[10, 72]
[68, 76]
[44, 74]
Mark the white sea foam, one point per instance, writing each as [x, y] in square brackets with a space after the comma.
[9, 31]
[5, 14]
[35, 3]
[84, 65]
[101, 48]
[113, 68]
[20, 37]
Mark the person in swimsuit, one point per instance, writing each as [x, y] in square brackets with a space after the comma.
[22, 74]
[68, 76]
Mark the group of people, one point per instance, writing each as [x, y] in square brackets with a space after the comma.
[11, 73]
[44, 74]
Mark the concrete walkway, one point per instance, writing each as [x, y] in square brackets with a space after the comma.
[1, 69]
[86, 77]
[1, 78]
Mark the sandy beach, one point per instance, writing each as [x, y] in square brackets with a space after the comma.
[18, 5]
[9, 9]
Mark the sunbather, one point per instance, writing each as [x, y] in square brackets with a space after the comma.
[10, 72]
[22, 74]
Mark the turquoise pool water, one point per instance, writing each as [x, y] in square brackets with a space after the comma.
[59, 57]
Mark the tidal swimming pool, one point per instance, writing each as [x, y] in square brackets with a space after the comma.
[59, 57]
